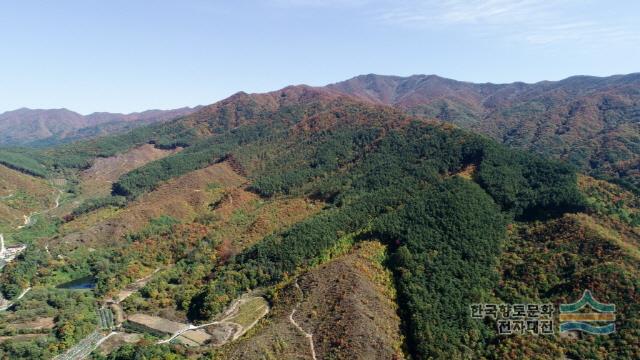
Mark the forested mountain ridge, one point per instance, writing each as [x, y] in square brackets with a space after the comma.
[299, 102]
[217, 130]
[258, 194]
[46, 127]
[589, 121]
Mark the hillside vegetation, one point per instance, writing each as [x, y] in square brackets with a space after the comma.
[344, 211]
[38, 128]
[21, 195]
[591, 122]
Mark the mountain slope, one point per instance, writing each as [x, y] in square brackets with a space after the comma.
[384, 175]
[592, 122]
[48, 127]
[20, 195]
[347, 304]
[283, 188]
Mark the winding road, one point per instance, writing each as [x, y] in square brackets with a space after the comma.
[29, 220]
[228, 314]
[309, 336]
[130, 289]
[9, 304]
[57, 199]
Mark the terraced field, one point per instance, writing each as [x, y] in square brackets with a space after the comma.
[84, 348]
[240, 317]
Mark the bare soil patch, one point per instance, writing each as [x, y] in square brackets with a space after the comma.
[22, 194]
[36, 324]
[97, 180]
[117, 340]
[156, 324]
[346, 304]
[193, 338]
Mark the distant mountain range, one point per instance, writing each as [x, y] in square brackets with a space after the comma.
[356, 216]
[593, 122]
[36, 127]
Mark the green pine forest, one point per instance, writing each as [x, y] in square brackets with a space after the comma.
[463, 218]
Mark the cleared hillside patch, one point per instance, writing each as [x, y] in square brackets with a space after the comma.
[182, 198]
[20, 195]
[97, 180]
[347, 304]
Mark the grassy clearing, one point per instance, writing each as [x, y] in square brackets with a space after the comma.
[249, 312]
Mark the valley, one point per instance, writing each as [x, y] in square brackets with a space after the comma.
[320, 180]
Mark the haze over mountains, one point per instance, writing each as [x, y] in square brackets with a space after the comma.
[41, 127]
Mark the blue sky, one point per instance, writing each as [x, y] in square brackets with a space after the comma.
[132, 55]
